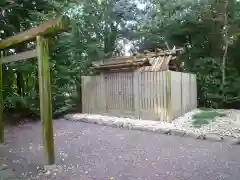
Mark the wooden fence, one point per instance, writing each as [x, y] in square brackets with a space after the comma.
[160, 96]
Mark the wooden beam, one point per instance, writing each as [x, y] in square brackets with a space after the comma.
[137, 57]
[125, 65]
[48, 28]
[1, 102]
[20, 56]
[120, 63]
[45, 97]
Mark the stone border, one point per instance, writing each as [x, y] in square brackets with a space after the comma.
[213, 137]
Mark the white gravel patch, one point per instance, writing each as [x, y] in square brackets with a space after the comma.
[228, 125]
[224, 126]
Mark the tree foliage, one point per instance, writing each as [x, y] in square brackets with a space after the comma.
[99, 28]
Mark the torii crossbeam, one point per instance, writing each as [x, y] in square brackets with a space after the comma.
[39, 34]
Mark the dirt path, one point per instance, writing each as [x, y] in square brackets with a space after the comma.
[87, 151]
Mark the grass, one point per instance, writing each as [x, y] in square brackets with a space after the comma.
[205, 109]
[206, 116]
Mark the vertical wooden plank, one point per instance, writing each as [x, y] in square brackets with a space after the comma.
[45, 97]
[150, 91]
[107, 91]
[190, 93]
[147, 90]
[123, 94]
[130, 92]
[103, 93]
[121, 91]
[95, 95]
[128, 87]
[140, 90]
[131, 98]
[111, 89]
[156, 91]
[164, 95]
[184, 93]
[136, 85]
[91, 104]
[152, 95]
[88, 99]
[85, 105]
[181, 93]
[116, 92]
[159, 92]
[88, 87]
[143, 90]
[195, 91]
[168, 93]
[173, 84]
[85, 94]
[117, 102]
[82, 94]
[176, 94]
[125, 105]
[1, 101]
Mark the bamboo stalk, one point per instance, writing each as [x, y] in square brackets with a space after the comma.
[45, 97]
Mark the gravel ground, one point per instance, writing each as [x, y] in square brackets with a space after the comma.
[223, 126]
[93, 152]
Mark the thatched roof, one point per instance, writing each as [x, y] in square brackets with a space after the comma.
[149, 61]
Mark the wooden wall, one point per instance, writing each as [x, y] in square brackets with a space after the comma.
[161, 96]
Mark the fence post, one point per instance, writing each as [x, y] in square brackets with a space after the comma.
[136, 95]
[45, 97]
[1, 102]
[168, 93]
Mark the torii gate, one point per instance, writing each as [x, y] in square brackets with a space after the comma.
[38, 34]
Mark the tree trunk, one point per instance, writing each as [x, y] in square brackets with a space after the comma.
[225, 38]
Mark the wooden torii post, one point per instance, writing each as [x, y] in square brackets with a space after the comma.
[38, 34]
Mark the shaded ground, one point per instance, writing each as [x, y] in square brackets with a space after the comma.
[87, 151]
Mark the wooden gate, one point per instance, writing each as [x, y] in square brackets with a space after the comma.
[119, 93]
